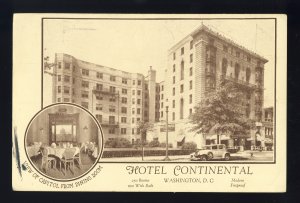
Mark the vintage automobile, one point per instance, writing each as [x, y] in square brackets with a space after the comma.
[209, 152]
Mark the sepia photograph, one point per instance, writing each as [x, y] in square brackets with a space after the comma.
[168, 90]
[63, 142]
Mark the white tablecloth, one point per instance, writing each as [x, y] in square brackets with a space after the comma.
[59, 151]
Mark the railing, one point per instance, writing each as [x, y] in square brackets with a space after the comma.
[109, 123]
[241, 82]
[104, 91]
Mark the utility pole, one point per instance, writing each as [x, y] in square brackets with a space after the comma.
[167, 136]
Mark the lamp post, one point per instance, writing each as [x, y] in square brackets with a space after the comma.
[167, 136]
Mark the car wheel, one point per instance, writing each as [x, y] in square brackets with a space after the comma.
[203, 158]
[227, 157]
[210, 156]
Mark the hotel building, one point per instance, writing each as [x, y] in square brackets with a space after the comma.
[196, 66]
[118, 99]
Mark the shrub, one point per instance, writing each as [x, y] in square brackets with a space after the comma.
[163, 144]
[189, 145]
[118, 143]
[154, 143]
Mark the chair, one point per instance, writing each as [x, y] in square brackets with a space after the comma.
[68, 157]
[46, 159]
[77, 157]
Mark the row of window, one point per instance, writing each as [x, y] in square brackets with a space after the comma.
[237, 53]
[173, 114]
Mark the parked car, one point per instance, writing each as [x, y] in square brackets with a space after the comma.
[209, 152]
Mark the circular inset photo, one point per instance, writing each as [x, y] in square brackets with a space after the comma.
[63, 141]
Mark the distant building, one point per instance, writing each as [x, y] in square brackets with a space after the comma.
[268, 126]
[118, 99]
[196, 66]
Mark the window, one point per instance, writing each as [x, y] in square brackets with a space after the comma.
[138, 101]
[133, 92]
[112, 99]
[174, 55]
[112, 109]
[132, 120]
[173, 79]
[123, 119]
[182, 50]
[124, 100]
[67, 78]
[146, 86]
[99, 97]
[138, 111]
[248, 74]
[85, 72]
[162, 96]
[132, 131]
[191, 84]
[84, 94]
[173, 91]
[59, 65]
[74, 68]
[58, 78]
[191, 58]
[224, 66]
[182, 70]
[174, 68]
[191, 111]
[73, 91]
[139, 92]
[124, 80]
[112, 89]
[99, 75]
[73, 80]
[66, 100]
[161, 114]
[173, 116]
[237, 54]
[162, 105]
[162, 88]
[67, 66]
[111, 119]
[99, 86]
[112, 78]
[66, 90]
[145, 113]
[133, 82]
[133, 101]
[99, 107]
[111, 131]
[123, 110]
[85, 105]
[191, 98]
[146, 95]
[173, 103]
[139, 82]
[99, 117]
[181, 108]
[248, 58]
[133, 111]
[181, 88]
[225, 48]
[191, 44]
[124, 91]
[59, 89]
[58, 99]
[85, 84]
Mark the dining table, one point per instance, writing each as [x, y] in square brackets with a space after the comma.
[59, 151]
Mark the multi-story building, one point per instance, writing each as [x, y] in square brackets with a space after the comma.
[268, 127]
[196, 66]
[118, 99]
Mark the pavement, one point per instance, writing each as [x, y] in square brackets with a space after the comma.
[245, 156]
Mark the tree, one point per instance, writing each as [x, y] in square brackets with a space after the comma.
[143, 128]
[222, 112]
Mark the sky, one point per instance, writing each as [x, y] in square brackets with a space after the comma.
[135, 45]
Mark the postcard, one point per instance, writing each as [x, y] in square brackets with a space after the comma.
[149, 102]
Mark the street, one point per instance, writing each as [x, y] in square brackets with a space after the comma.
[264, 156]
